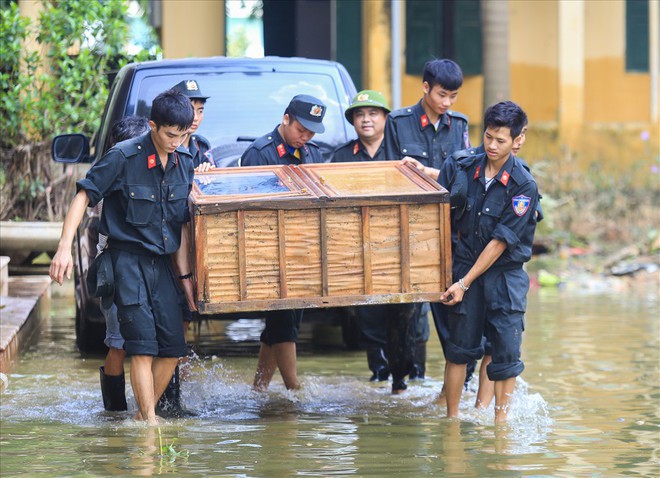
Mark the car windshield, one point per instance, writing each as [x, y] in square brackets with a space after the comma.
[249, 105]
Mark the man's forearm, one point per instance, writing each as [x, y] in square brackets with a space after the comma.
[73, 218]
[493, 250]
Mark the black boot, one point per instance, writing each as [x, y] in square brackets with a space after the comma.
[419, 362]
[169, 404]
[377, 363]
[113, 389]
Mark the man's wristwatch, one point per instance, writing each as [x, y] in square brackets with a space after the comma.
[461, 284]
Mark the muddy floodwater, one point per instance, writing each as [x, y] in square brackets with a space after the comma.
[587, 405]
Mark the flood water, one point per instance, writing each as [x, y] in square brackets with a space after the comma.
[586, 405]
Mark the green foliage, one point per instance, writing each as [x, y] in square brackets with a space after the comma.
[58, 84]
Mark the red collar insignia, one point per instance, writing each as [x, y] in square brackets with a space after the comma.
[151, 161]
[476, 173]
[281, 150]
[356, 148]
[424, 120]
[505, 178]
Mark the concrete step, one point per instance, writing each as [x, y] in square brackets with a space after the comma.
[22, 311]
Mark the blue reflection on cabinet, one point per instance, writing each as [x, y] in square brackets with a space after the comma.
[228, 184]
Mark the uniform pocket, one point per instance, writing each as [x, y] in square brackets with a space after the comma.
[415, 150]
[517, 284]
[129, 284]
[142, 202]
[177, 202]
[490, 214]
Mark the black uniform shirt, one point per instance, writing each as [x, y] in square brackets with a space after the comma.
[506, 212]
[354, 150]
[144, 205]
[409, 132]
[199, 148]
[271, 149]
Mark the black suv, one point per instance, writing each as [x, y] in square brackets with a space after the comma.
[248, 97]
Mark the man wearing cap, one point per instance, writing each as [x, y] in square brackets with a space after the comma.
[197, 144]
[288, 143]
[368, 114]
[144, 183]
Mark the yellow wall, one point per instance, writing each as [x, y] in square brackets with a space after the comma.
[533, 54]
[193, 28]
[612, 95]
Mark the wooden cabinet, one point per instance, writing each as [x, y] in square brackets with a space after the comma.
[318, 235]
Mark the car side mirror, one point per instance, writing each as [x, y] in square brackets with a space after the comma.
[70, 148]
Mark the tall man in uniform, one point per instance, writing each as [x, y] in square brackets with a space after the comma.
[288, 143]
[144, 183]
[494, 239]
[429, 132]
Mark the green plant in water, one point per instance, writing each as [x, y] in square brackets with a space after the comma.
[168, 452]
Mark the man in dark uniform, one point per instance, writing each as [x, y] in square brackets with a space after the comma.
[288, 143]
[486, 390]
[368, 115]
[429, 132]
[198, 145]
[144, 183]
[494, 235]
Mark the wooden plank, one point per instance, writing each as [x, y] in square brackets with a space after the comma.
[315, 302]
[281, 237]
[405, 248]
[445, 246]
[324, 253]
[242, 267]
[201, 264]
[366, 248]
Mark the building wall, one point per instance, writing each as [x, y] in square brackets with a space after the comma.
[612, 95]
[193, 28]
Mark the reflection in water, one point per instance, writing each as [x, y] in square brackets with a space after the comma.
[586, 405]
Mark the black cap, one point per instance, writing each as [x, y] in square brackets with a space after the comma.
[190, 88]
[309, 112]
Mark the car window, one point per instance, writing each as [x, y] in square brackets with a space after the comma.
[249, 105]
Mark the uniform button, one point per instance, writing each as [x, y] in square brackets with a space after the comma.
[152, 196]
[132, 194]
[444, 154]
[405, 150]
[163, 181]
[479, 214]
[424, 153]
[487, 209]
[139, 147]
[166, 238]
[270, 137]
[171, 195]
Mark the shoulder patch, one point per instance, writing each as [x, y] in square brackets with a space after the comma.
[407, 111]
[456, 114]
[129, 148]
[261, 143]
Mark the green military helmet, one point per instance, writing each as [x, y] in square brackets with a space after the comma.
[367, 98]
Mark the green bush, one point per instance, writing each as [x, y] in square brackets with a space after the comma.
[60, 88]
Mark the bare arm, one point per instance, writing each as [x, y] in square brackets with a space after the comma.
[62, 262]
[426, 170]
[487, 258]
[182, 261]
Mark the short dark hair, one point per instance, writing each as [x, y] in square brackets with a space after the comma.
[127, 128]
[172, 108]
[506, 114]
[445, 73]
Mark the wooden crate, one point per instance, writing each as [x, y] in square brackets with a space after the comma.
[319, 235]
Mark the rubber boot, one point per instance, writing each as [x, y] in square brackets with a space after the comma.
[169, 404]
[378, 364]
[419, 362]
[469, 371]
[113, 389]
